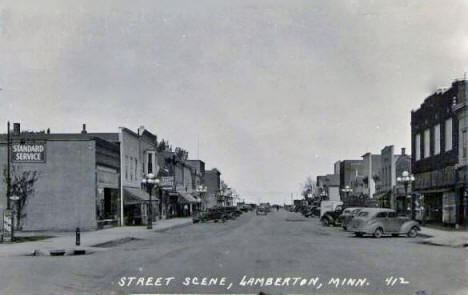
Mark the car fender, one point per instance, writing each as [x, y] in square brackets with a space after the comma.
[405, 228]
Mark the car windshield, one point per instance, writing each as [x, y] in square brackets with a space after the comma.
[347, 211]
[363, 214]
[356, 211]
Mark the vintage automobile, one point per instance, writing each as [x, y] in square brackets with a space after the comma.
[380, 221]
[216, 214]
[347, 215]
[330, 212]
[261, 210]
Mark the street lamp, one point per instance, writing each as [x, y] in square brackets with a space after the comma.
[323, 195]
[149, 181]
[346, 190]
[201, 189]
[406, 179]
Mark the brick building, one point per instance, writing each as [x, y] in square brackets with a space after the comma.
[77, 179]
[435, 142]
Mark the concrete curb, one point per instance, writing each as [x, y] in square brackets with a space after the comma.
[97, 247]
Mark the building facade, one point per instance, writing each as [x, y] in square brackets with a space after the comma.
[389, 193]
[212, 180]
[77, 184]
[435, 142]
[328, 187]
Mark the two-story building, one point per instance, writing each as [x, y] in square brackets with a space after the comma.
[435, 142]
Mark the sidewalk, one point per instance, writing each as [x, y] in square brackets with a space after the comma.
[89, 240]
[444, 238]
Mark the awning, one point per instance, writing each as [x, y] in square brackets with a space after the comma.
[382, 195]
[432, 191]
[134, 195]
[185, 197]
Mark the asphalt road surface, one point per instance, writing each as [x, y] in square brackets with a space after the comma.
[278, 253]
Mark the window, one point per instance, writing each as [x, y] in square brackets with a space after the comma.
[381, 215]
[150, 163]
[437, 139]
[448, 134]
[427, 143]
[126, 167]
[136, 167]
[131, 168]
[392, 214]
[363, 214]
[464, 143]
[418, 147]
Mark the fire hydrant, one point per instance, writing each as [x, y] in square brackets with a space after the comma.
[77, 236]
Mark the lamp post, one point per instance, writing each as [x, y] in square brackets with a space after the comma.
[323, 195]
[149, 181]
[346, 190]
[201, 189]
[406, 179]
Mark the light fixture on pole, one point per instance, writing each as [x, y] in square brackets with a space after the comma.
[323, 195]
[148, 182]
[346, 190]
[201, 189]
[406, 179]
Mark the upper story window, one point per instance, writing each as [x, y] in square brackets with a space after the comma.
[126, 167]
[427, 143]
[417, 146]
[448, 134]
[437, 139]
[464, 144]
[150, 162]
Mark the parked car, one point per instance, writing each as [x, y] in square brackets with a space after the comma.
[261, 210]
[216, 214]
[380, 221]
[330, 212]
[347, 215]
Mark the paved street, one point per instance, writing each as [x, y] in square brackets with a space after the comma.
[280, 245]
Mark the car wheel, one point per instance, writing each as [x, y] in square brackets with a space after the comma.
[378, 232]
[325, 222]
[344, 227]
[413, 232]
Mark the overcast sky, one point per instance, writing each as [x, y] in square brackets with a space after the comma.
[275, 90]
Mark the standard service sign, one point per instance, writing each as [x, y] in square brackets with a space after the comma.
[28, 152]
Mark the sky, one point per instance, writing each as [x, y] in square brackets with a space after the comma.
[268, 92]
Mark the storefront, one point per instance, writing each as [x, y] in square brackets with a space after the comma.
[384, 199]
[437, 196]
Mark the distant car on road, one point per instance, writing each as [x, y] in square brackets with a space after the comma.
[380, 221]
[347, 215]
[261, 210]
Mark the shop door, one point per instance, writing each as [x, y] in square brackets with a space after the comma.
[107, 203]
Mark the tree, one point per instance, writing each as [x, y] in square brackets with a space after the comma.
[21, 185]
